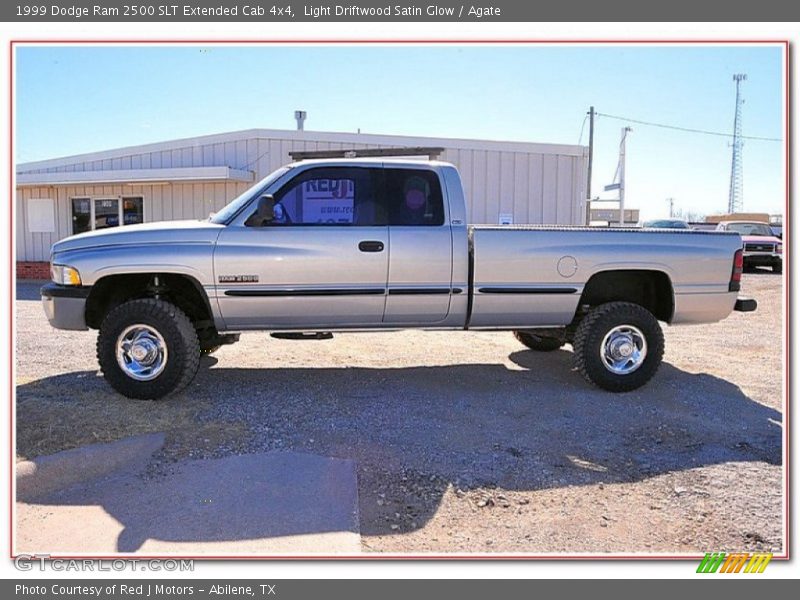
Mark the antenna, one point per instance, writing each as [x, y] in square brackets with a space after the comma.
[735, 195]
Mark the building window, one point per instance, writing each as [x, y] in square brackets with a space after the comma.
[81, 215]
[101, 213]
[132, 210]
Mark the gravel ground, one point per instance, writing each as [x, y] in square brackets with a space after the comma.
[468, 442]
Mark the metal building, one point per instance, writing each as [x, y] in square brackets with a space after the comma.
[190, 178]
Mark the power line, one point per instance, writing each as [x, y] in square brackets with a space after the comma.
[583, 126]
[252, 162]
[688, 129]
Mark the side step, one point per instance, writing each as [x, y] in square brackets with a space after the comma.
[302, 335]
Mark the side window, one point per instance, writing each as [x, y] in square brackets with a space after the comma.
[414, 197]
[331, 196]
[81, 215]
[132, 210]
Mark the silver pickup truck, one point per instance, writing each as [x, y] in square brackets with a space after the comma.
[363, 244]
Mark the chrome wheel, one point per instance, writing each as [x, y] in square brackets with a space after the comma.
[141, 352]
[623, 350]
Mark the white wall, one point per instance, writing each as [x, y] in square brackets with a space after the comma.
[536, 183]
[161, 203]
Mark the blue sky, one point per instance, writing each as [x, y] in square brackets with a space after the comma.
[82, 99]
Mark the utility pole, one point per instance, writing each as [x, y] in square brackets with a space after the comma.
[625, 131]
[735, 192]
[589, 165]
[671, 207]
[591, 153]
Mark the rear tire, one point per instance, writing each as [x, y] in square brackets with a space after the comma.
[147, 349]
[538, 342]
[777, 267]
[618, 346]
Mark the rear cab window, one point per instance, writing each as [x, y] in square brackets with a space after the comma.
[413, 197]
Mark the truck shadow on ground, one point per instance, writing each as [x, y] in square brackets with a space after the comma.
[416, 432]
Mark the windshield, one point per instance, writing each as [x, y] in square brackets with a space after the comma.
[667, 224]
[233, 207]
[750, 229]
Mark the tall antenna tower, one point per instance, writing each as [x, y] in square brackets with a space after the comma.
[735, 193]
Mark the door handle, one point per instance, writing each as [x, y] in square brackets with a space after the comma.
[370, 246]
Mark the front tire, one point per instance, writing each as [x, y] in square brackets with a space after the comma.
[618, 346]
[777, 267]
[539, 343]
[147, 349]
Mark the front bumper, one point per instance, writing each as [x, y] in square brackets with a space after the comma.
[65, 306]
[762, 259]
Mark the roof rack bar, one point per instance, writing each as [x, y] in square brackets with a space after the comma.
[431, 152]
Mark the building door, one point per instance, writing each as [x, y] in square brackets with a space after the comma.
[106, 213]
[321, 262]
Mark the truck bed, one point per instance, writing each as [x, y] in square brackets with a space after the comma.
[533, 276]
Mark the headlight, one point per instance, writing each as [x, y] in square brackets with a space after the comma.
[64, 275]
[779, 248]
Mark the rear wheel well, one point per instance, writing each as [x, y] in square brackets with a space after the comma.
[650, 289]
[183, 291]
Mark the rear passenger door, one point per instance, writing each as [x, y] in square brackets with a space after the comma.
[420, 240]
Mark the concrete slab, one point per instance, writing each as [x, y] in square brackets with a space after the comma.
[278, 503]
[46, 474]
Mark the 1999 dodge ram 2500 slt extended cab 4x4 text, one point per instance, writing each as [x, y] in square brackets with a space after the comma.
[371, 244]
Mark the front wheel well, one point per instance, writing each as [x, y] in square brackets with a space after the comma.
[648, 288]
[183, 291]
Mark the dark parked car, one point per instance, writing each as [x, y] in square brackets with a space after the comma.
[666, 224]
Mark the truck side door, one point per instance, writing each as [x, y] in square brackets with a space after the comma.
[420, 261]
[322, 261]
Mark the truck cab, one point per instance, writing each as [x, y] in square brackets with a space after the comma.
[354, 243]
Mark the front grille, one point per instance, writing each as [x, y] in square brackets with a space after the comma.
[760, 247]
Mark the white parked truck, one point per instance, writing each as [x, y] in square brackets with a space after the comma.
[363, 244]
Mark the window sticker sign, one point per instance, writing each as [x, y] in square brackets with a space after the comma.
[328, 201]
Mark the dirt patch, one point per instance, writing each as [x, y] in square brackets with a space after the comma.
[76, 409]
[468, 442]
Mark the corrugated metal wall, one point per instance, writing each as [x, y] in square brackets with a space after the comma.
[161, 203]
[542, 186]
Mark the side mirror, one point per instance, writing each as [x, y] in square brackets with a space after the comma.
[265, 212]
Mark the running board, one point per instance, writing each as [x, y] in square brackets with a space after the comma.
[302, 335]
